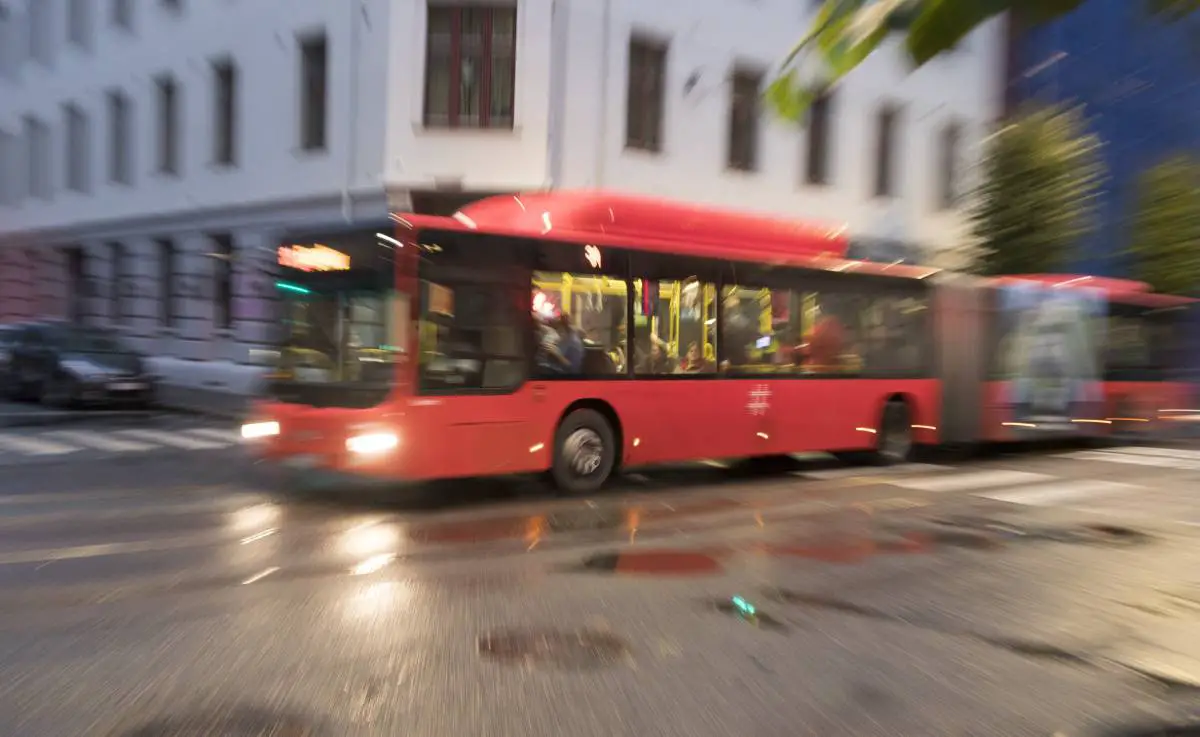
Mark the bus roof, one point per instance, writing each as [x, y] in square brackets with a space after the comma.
[1121, 291]
[665, 226]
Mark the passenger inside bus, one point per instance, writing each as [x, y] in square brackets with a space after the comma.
[560, 349]
[656, 361]
[694, 362]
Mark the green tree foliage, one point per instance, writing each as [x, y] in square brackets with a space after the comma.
[845, 33]
[1165, 247]
[1040, 178]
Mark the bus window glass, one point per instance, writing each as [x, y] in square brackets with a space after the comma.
[761, 329]
[895, 331]
[674, 327]
[338, 336]
[470, 337]
[831, 333]
[580, 324]
[1128, 343]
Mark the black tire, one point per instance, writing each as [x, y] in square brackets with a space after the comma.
[585, 452]
[894, 441]
[59, 392]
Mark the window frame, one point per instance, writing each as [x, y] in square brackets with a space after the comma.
[314, 91]
[744, 144]
[453, 56]
[646, 93]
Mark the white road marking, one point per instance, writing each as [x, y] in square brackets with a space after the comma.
[1044, 495]
[99, 441]
[1133, 459]
[33, 446]
[1184, 453]
[841, 473]
[971, 481]
[227, 437]
[164, 437]
[108, 549]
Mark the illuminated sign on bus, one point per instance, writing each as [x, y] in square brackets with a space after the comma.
[313, 258]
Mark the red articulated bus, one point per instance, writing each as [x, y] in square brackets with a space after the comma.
[583, 332]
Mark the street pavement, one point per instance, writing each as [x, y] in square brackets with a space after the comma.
[165, 593]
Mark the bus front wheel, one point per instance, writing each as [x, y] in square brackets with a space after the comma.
[584, 452]
[894, 443]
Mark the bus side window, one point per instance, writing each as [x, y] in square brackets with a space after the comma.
[759, 329]
[580, 320]
[894, 334]
[831, 333]
[674, 327]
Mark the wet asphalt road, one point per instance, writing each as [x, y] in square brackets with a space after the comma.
[156, 593]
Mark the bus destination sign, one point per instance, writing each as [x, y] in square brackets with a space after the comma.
[317, 257]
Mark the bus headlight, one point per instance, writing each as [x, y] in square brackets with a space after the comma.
[372, 443]
[259, 430]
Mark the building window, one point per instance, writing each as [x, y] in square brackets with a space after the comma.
[12, 43]
[886, 124]
[166, 282]
[120, 138]
[314, 105]
[10, 168]
[948, 166]
[37, 137]
[470, 66]
[646, 98]
[118, 274]
[818, 142]
[41, 35]
[744, 119]
[167, 96]
[79, 23]
[78, 148]
[122, 14]
[222, 281]
[225, 94]
[77, 282]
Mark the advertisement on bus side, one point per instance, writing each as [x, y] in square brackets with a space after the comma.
[1050, 355]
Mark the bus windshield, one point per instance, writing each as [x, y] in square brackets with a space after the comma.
[341, 320]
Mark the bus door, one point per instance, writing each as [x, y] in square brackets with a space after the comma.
[687, 412]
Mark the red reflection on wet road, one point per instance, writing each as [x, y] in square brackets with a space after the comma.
[536, 526]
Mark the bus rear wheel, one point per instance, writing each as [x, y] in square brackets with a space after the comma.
[584, 452]
[894, 442]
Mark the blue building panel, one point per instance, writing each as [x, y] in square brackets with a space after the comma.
[1138, 81]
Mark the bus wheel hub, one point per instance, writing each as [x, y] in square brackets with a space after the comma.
[584, 451]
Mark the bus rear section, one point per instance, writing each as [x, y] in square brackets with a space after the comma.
[1079, 356]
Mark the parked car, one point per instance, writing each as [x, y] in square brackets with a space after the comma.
[70, 365]
[8, 335]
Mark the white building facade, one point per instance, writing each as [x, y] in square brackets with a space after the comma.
[152, 152]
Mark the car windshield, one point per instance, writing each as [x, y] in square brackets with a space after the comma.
[76, 340]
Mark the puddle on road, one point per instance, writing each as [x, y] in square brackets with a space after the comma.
[654, 563]
[581, 650]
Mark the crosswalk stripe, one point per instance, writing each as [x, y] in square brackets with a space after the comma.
[33, 446]
[1183, 453]
[1042, 495]
[175, 440]
[228, 437]
[841, 473]
[98, 441]
[1132, 459]
[971, 481]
